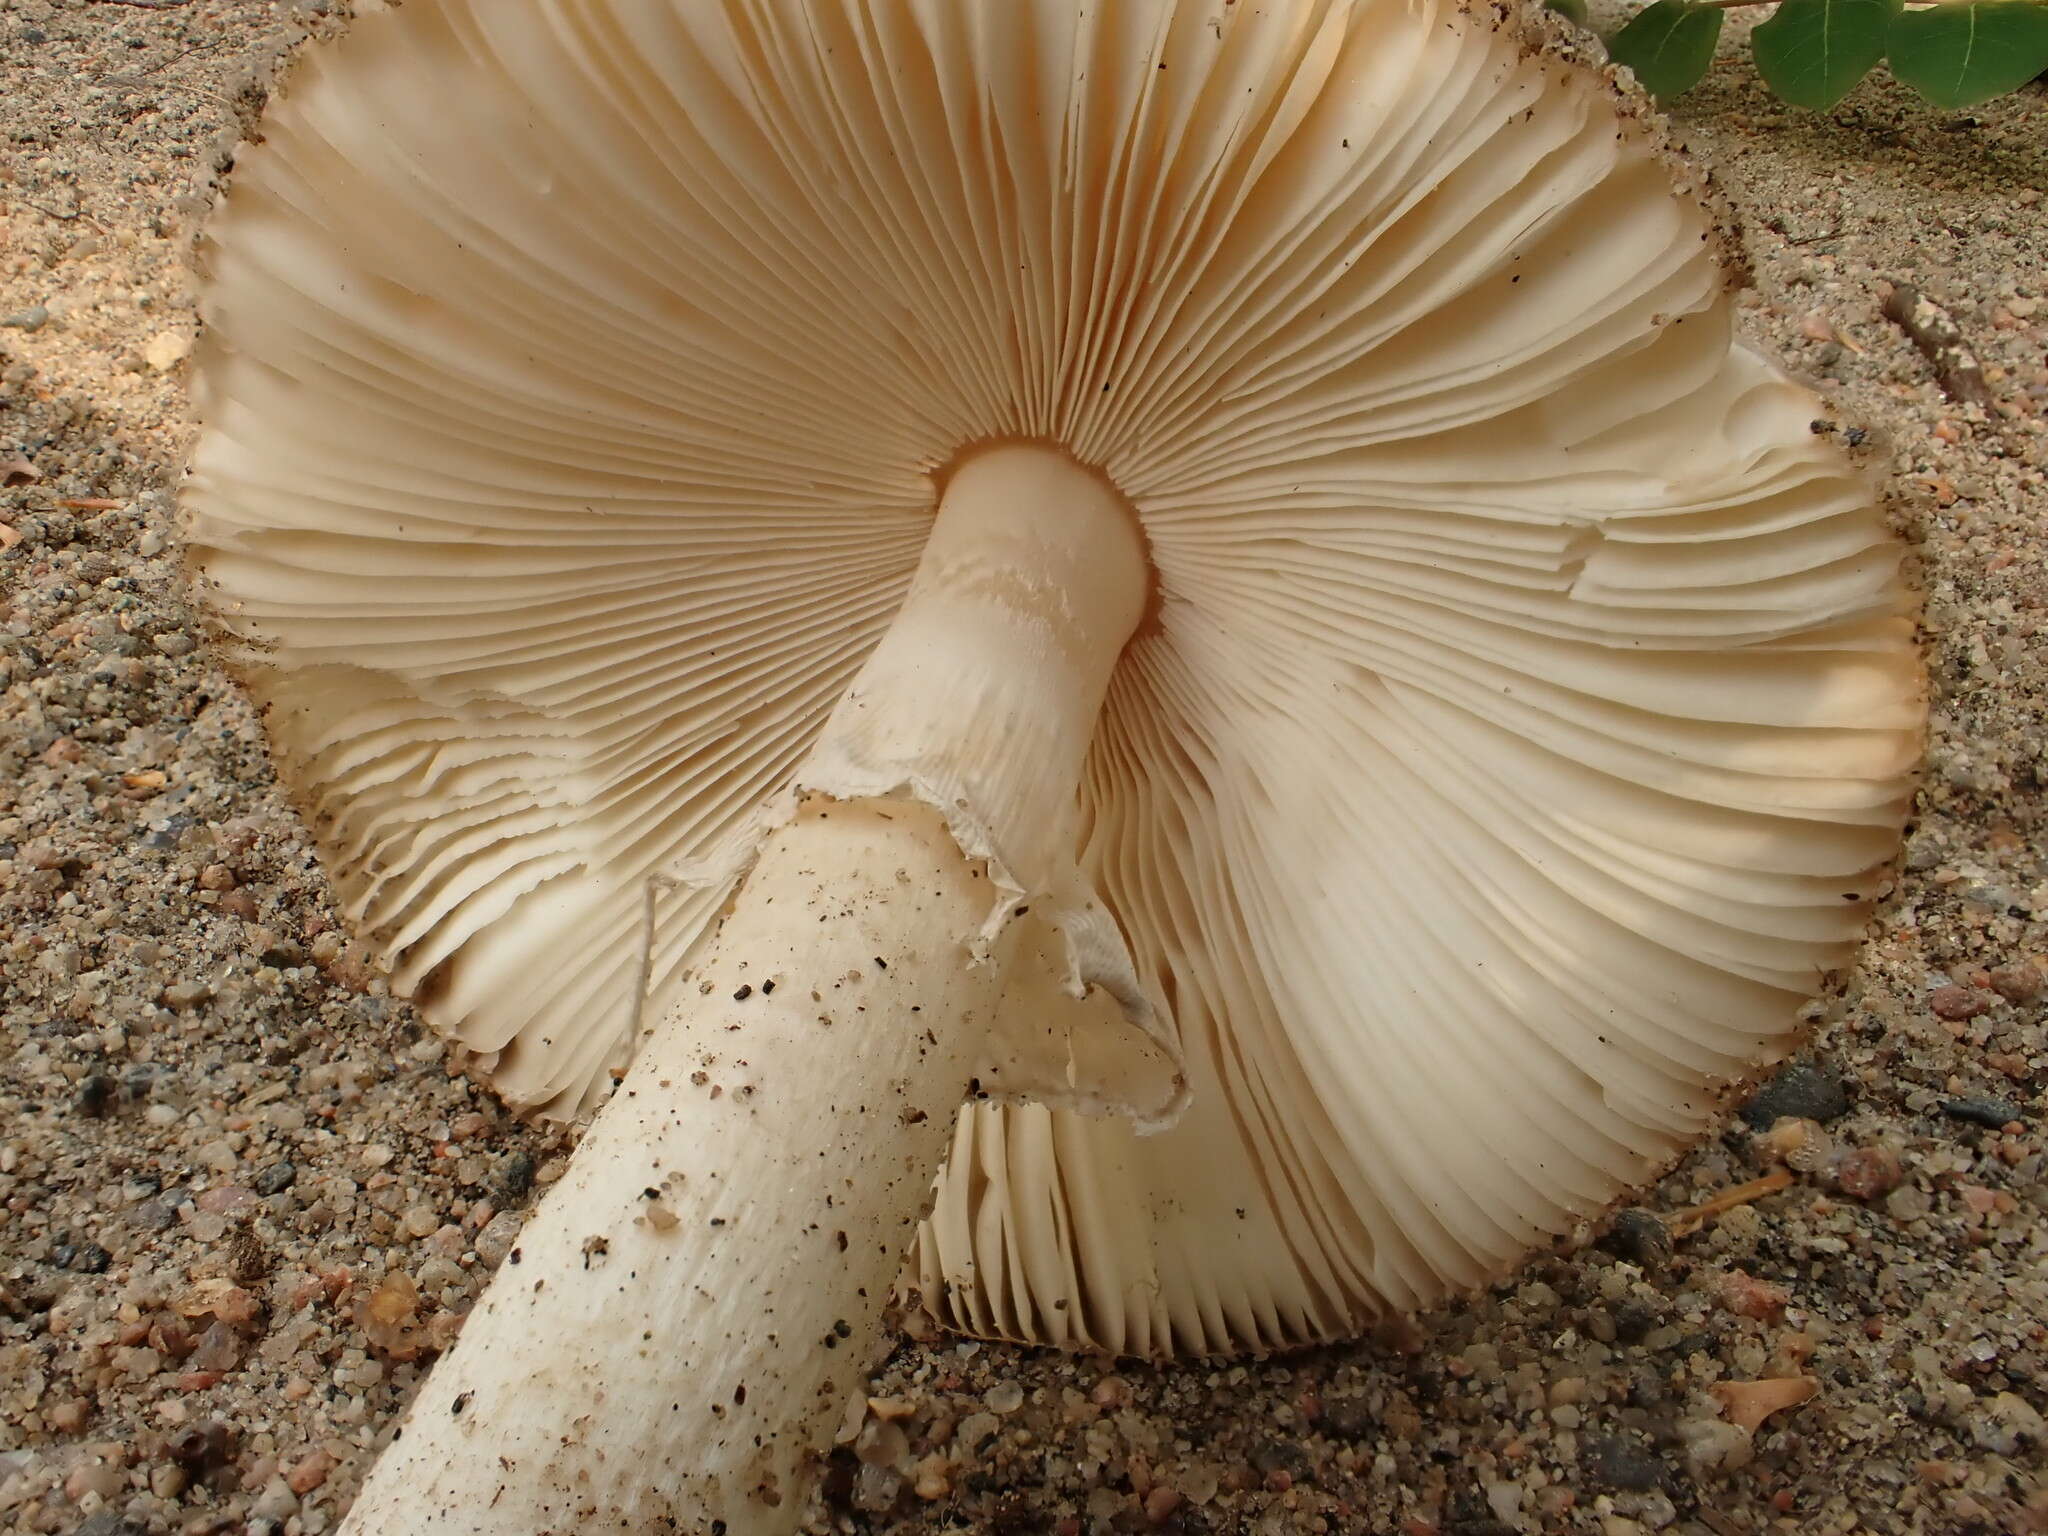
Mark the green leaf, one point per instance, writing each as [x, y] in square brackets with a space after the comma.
[1573, 11]
[1669, 45]
[1959, 55]
[1812, 52]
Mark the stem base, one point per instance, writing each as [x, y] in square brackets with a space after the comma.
[690, 1309]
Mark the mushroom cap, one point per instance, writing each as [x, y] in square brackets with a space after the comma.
[1529, 705]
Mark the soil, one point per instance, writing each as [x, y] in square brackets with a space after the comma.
[244, 1200]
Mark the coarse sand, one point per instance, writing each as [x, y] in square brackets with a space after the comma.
[243, 1201]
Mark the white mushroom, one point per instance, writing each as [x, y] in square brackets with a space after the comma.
[1081, 557]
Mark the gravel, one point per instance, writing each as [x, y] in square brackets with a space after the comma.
[244, 1202]
[1801, 1091]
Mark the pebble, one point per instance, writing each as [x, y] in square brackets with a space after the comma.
[875, 1488]
[107, 1523]
[219, 1349]
[1907, 1203]
[1505, 1500]
[200, 1447]
[99, 1475]
[167, 349]
[1868, 1173]
[1612, 1462]
[1111, 1392]
[1957, 1004]
[496, 1239]
[1348, 1419]
[34, 318]
[186, 994]
[309, 1473]
[2019, 983]
[1714, 1445]
[1802, 1091]
[515, 1177]
[97, 1094]
[1992, 1113]
[976, 1428]
[932, 1479]
[388, 1313]
[68, 1417]
[276, 1502]
[276, 1178]
[1747, 1296]
[83, 1258]
[1638, 1236]
[2009, 1424]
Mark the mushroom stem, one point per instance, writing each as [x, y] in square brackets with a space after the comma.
[690, 1310]
[983, 695]
[692, 1307]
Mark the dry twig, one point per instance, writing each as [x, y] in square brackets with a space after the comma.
[1686, 1222]
[1940, 340]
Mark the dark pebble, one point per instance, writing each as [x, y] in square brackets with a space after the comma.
[107, 1523]
[1348, 1419]
[515, 1179]
[1469, 1514]
[1648, 1389]
[155, 1216]
[201, 1447]
[1013, 1515]
[835, 1486]
[1993, 1113]
[1615, 1463]
[1633, 1319]
[96, 1095]
[1803, 1091]
[1639, 1237]
[168, 834]
[83, 1258]
[277, 1178]
[1282, 1456]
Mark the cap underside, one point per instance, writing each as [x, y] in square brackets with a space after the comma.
[1528, 704]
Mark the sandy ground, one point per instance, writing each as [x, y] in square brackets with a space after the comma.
[242, 1200]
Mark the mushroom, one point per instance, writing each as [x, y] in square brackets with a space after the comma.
[1207, 581]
